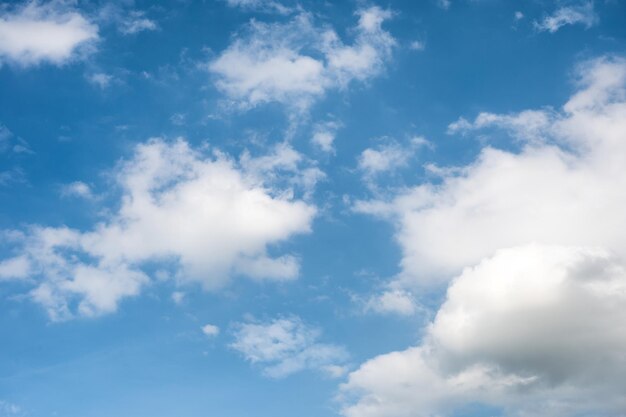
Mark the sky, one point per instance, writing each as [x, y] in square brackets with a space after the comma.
[276, 208]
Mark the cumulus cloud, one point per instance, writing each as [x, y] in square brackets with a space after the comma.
[534, 330]
[34, 33]
[285, 346]
[206, 219]
[568, 15]
[531, 324]
[295, 63]
[569, 168]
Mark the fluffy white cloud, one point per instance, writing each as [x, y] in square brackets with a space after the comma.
[210, 330]
[77, 189]
[569, 168]
[287, 345]
[324, 136]
[530, 328]
[205, 218]
[34, 33]
[534, 330]
[569, 15]
[296, 62]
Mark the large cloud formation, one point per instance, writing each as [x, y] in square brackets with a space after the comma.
[296, 62]
[34, 33]
[199, 219]
[533, 323]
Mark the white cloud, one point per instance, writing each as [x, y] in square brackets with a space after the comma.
[206, 218]
[268, 6]
[295, 63]
[569, 15]
[569, 168]
[100, 79]
[8, 409]
[444, 4]
[135, 22]
[324, 136]
[178, 297]
[9, 142]
[77, 189]
[519, 15]
[529, 328]
[287, 345]
[528, 125]
[14, 268]
[5, 137]
[35, 33]
[324, 140]
[394, 301]
[389, 156]
[210, 330]
[534, 330]
[417, 45]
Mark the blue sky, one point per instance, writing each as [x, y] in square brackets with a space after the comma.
[279, 208]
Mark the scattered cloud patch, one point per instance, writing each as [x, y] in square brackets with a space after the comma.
[178, 297]
[389, 156]
[35, 33]
[178, 119]
[444, 4]
[295, 63]
[582, 14]
[417, 45]
[285, 346]
[324, 136]
[392, 301]
[267, 6]
[210, 330]
[206, 217]
[11, 143]
[14, 269]
[100, 80]
[136, 22]
[77, 189]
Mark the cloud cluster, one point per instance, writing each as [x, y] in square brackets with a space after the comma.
[199, 219]
[296, 62]
[533, 322]
[285, 346]
[34, 33]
